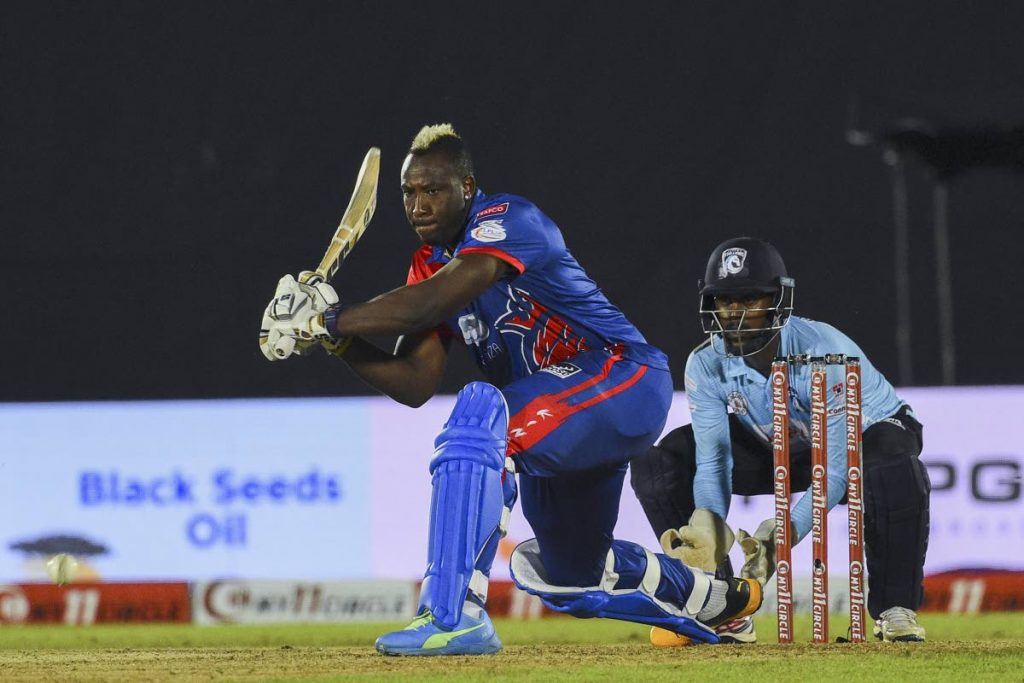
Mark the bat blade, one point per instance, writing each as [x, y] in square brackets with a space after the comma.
[357, 216]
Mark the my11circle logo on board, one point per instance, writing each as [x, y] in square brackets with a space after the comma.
[224, 497]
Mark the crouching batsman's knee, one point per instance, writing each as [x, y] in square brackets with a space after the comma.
[473, 495]
[637, 585]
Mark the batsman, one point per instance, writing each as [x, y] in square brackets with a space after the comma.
[573, 392]
[686, 482]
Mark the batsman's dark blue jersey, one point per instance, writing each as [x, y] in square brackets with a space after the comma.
[546, 312]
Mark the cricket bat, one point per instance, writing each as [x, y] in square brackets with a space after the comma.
[356, 217]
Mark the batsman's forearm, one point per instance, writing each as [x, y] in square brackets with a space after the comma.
[405, 310]
[396, 377]
[425, 305]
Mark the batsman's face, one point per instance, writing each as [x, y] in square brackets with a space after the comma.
[436, 198]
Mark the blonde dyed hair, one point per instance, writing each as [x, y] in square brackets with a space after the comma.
[429, 136]
[442, 138]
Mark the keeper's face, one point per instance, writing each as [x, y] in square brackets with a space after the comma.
[744, 316]
[436, 198]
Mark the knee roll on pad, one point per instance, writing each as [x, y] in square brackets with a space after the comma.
[472, 498]
[636, 586]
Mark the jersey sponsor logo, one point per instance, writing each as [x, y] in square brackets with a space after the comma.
[489, 231]
[733, 260]
[738, 402]
[492, 210]
[473, 329]
[562, 370]
[546, 339]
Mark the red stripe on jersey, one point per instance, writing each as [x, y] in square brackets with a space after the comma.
[558, 411]
[421, 269]
[498, 253]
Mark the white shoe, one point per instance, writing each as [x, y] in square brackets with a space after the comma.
[899, 624]
[737, 631]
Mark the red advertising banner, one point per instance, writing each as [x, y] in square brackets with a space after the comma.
[94, 603]
[969, 591]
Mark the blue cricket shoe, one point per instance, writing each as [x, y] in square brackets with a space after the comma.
[424, 637]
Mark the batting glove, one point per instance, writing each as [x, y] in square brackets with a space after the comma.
[293, 322]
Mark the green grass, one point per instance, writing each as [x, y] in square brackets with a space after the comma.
[980, 648]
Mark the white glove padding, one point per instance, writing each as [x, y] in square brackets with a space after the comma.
[703, 543]
[274, 344]
[758, 552]
[296, 302]
[293, 320]
[322, 294]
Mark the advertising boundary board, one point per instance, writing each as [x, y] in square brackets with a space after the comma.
[196, 490]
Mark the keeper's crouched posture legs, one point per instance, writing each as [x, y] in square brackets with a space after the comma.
[472, 498]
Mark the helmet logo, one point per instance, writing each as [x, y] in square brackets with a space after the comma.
[733, 260]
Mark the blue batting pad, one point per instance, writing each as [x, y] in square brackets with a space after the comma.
[472, 498]
[637, 586]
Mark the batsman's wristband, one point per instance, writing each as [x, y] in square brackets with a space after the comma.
[331, 321]
[338, 347]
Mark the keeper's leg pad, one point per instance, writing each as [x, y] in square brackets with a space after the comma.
[896, 530]
[637, 586]
[473, 495]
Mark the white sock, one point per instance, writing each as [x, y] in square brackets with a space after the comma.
[716, 601]
[471, 609]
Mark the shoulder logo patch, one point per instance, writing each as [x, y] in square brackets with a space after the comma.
[489, 231]
[492, 210]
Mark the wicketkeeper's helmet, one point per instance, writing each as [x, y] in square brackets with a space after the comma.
[746, 265]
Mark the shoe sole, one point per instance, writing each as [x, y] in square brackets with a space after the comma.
[475, 649]
[734, 639]
[911, 638]
[663, 638]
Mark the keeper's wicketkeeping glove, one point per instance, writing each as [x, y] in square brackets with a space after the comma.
[703, 543]
[758, 552]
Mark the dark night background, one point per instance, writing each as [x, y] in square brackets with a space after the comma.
[161, 166]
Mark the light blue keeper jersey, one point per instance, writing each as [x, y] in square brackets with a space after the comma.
[717, 384]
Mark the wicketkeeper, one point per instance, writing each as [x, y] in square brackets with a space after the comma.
[685, 483]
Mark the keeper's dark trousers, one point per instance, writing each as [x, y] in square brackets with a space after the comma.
[896, 489]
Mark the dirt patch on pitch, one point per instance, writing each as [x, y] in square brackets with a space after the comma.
[539, 662]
